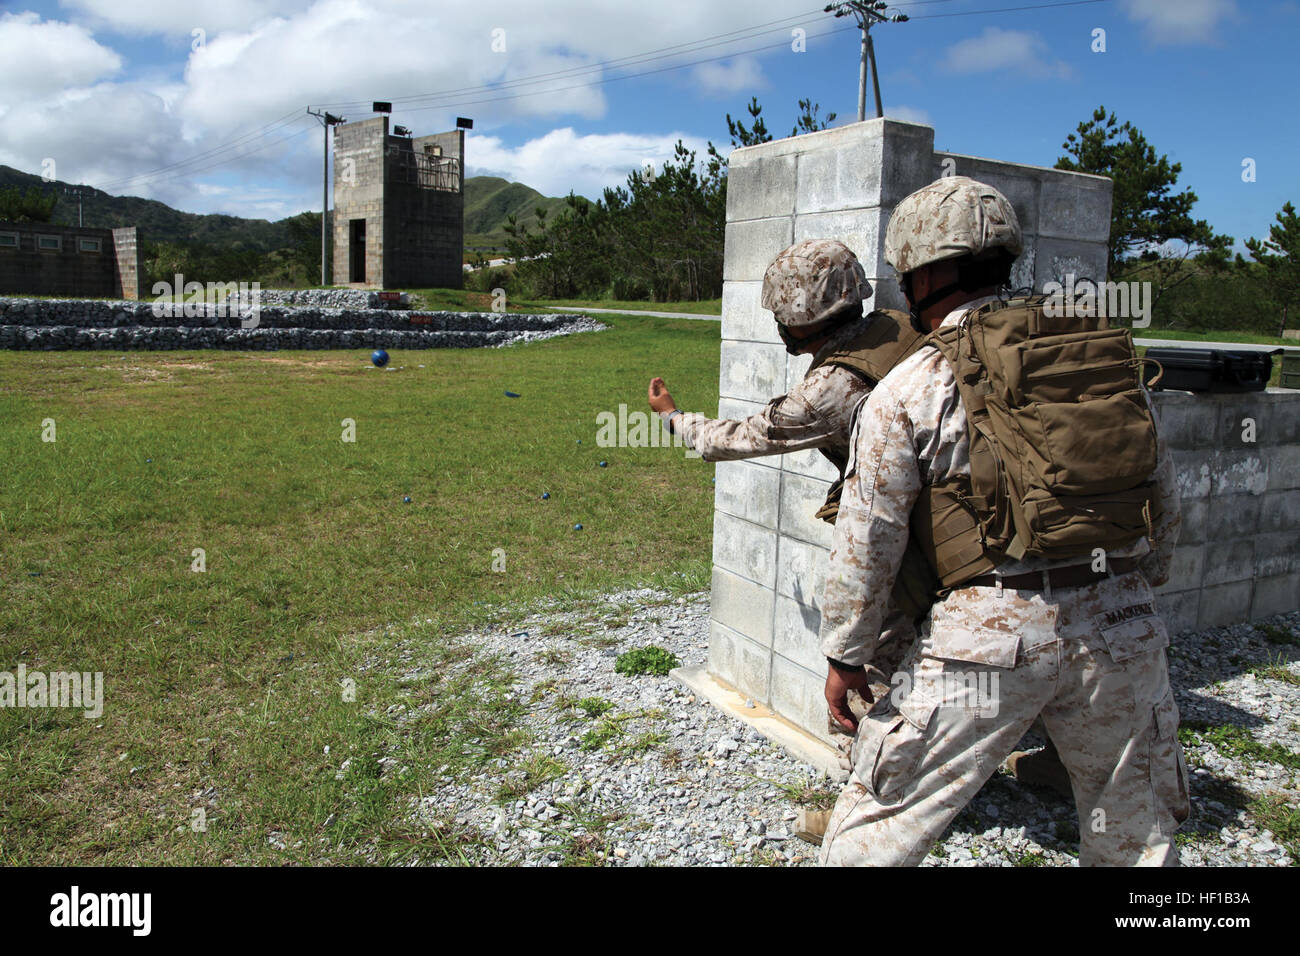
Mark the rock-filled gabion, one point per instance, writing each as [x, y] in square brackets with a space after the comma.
[323, 298]
[50, 324]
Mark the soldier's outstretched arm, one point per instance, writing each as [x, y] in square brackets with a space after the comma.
[814, 414]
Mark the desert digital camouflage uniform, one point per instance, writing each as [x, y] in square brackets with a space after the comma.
[1089, 659]
[805, 284]
[816, 413]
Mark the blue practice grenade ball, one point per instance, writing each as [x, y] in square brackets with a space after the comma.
[379, 357]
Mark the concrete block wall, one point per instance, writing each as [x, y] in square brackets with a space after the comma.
[769, 553]
[128, 258]
[359, 194]
[27, 269]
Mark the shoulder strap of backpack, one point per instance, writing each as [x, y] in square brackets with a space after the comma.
[887, 340]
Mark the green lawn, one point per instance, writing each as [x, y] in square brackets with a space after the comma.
[1214, 337]
[223, 688]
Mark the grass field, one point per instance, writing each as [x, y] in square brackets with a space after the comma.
[223, 688]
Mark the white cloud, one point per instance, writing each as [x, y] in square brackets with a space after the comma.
[1184, 21]
[65, 93]
[908, 114]
[181, 17]
[40, 58]
[743, 73]
[562, 159]
[997, 50]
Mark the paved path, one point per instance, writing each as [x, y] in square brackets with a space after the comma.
[666, 315]
[1188, 344]
[1148, 343]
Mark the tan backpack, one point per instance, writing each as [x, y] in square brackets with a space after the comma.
[1062, 442]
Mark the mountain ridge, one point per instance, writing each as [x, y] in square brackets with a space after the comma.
[489, 200]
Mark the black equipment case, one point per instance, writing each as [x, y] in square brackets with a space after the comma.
[1211, 370]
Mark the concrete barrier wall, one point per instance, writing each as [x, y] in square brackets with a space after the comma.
[769, 552]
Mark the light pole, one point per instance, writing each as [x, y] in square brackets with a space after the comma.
[868, 15]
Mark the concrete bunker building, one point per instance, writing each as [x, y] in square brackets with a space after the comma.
[399, 207]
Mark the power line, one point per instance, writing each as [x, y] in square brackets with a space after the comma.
[630, 60]
[284, 121]
[176, 170]
[1036, 6]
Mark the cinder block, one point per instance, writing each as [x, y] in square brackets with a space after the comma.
[1279, 511]
[755, 670]
[1059, 258]
[1275, 553]
[724, 657]
[798, 695]
[1186, 422]
[1241, 417]
[1179, 610]
[1225, 604]
[743, 606]
[743, 317]
[800, 499]
[1195, 513]
[750, 246]
[1232, 517]
[1276, 595]
[1186, 572]
[1230, 560]
[1194, 476]
[751, 371]
[1020, 184]
[1074, 207]
[745, 549]
[907, 162]
[809, 462]
[748, 491]
[761, 186]
[1283, 466]
[1022, 270]
[831, 180]
[1281, 422]
[801, 571]
[1237, 472]
[794, 633]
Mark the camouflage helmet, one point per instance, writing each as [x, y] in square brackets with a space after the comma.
[812, 281]
[952, 217]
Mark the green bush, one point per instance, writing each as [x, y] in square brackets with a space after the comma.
[646, 660]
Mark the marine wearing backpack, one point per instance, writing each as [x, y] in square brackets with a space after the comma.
[1012, 448]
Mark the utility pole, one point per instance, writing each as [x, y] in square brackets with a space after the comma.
[867, 15]
[327, 120]
[76, 191]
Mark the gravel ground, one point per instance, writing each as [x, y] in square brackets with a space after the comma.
[676, 782]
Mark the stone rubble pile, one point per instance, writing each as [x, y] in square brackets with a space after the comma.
[49, 324]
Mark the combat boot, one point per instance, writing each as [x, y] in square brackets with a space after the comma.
[1041, 768]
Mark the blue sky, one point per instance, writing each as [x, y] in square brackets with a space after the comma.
[112, 91]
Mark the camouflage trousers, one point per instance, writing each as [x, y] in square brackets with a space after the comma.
[988, 662]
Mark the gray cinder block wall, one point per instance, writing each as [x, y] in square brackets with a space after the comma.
[770, 553]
